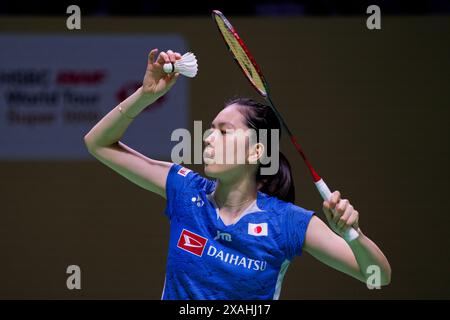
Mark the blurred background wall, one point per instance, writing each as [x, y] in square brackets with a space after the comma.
[371, 108]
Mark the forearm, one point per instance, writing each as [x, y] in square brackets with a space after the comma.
[111, 127]
[368, 254]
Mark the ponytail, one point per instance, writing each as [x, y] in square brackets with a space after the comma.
[260, 116]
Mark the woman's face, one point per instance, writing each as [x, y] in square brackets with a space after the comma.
[227, 153]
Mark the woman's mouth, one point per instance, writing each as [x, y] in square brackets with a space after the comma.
[208, 156]
[208, 153]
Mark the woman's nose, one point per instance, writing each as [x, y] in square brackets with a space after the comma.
[209, 137]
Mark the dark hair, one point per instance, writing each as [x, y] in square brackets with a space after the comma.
[260, 116]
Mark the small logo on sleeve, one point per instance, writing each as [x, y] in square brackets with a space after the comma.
[192, 242]
[198, 201]
[258, 229]
[184, 171]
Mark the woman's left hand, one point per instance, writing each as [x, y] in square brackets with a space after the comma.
[343, 217]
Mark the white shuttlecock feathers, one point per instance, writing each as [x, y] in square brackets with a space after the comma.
[187, 65]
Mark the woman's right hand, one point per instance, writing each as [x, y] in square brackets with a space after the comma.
[156, 81]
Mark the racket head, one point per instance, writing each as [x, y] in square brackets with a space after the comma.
[241, 54]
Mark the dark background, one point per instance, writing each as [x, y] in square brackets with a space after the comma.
[231, 7]
[371, 108]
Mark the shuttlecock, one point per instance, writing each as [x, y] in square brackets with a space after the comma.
[187, 65]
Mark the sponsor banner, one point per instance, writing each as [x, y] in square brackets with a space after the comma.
[54, 88]
[196, 244]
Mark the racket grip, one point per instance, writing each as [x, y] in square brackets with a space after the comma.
[351, 234]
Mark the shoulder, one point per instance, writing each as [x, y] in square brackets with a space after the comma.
[181, 177]
[181, 183]
[292, 221]
[282, 209]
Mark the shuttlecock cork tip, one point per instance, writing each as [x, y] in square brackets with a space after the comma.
[186, 66]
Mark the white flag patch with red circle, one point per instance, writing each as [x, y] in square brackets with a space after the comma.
[257, 229]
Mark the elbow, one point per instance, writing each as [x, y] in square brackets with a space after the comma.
[377, 278]
[386, 275]
[386, 278]
[385, 281]
[89, 144]
[93, 146]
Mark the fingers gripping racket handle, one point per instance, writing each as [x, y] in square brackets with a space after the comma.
[351, 234]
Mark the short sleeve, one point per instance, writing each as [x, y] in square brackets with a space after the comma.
[180, 179]
[296, 223]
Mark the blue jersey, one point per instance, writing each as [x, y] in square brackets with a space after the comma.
[210, 260]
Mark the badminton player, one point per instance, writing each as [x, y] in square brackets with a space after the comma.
[233, 234]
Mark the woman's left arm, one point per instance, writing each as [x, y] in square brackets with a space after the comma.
[353, 258]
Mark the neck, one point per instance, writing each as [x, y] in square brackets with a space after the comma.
[234, 196]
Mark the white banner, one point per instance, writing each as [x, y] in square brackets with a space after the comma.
[54, 88]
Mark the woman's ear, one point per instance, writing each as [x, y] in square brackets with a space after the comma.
[255, 153]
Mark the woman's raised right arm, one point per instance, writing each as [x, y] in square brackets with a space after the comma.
[102, 140]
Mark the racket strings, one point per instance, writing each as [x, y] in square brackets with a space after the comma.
[240, 55]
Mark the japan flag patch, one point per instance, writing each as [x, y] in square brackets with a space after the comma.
[183, 171]
[258, 229]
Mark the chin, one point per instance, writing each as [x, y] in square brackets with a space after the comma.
[220, 170]
[212, 170]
